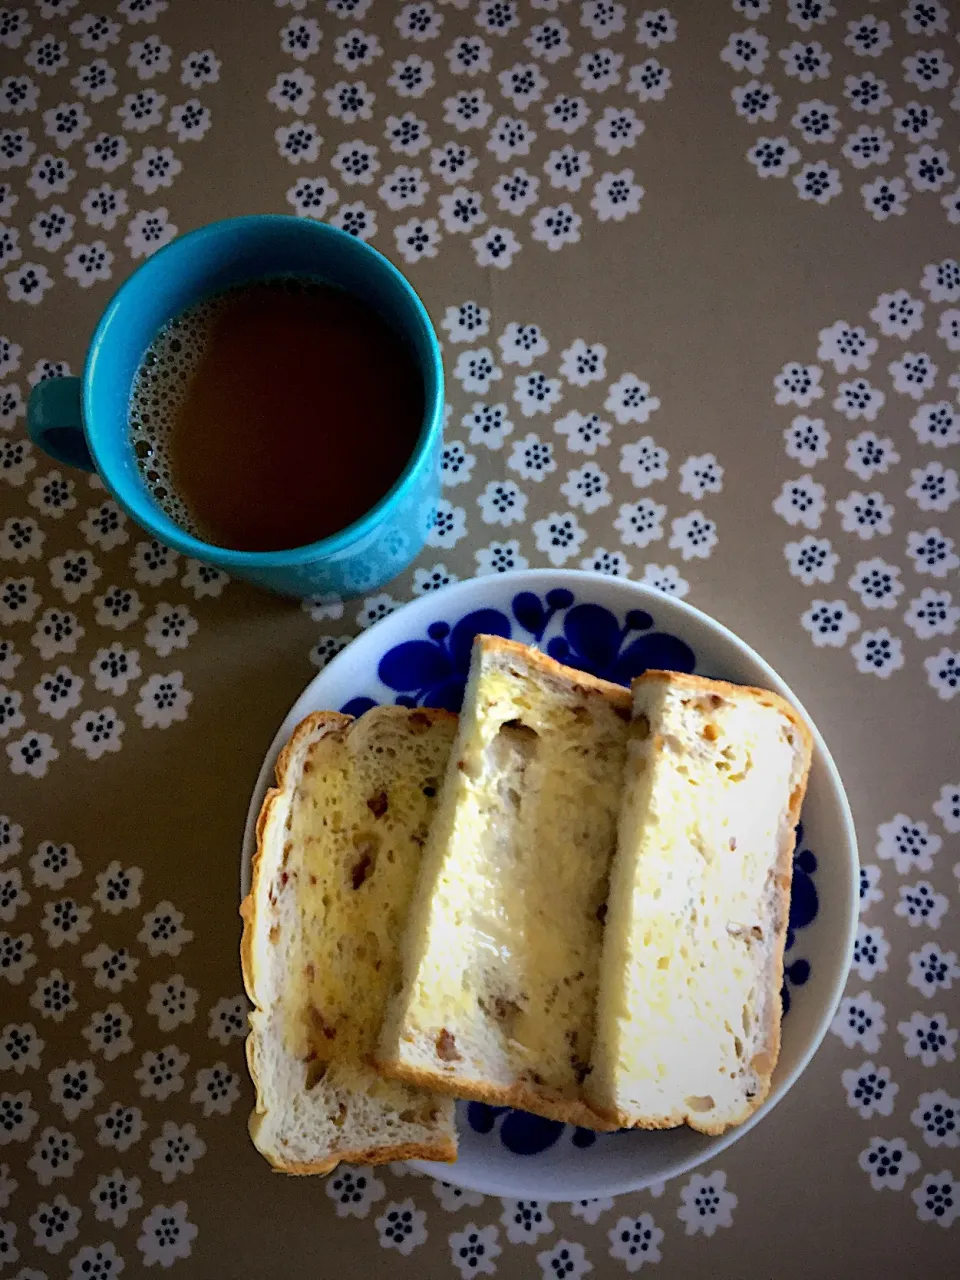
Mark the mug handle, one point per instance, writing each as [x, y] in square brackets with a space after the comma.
[55, 421]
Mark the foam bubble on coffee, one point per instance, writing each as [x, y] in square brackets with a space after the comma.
[158, 391]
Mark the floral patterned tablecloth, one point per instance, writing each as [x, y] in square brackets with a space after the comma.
[695, 275]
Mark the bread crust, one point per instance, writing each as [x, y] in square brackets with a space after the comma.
[617, 694]
[253, 911]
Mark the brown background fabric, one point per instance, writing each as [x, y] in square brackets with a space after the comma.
[715, 283]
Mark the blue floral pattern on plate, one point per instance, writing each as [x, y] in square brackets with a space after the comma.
[432, 672]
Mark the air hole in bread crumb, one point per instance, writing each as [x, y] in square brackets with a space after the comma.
[316, 1070]
[640, 728]
[738, 1046]
[697, 1103]
[447, 1047]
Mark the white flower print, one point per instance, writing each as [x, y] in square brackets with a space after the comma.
[88, 263]
[582, 364]
[417, 239]
[566, 114]
[651, 80]
[633, 1241]
[928, 69]
[18, 600]
[932, 552]
[349, 101]
[501, 502]
[806, 62]
[476, 370]
[65, 921]
[869, 455]
[640, 523]
[644, 461]
[868, 145]
[920, 904]
[58, 693]
[204, 580]
[55, 1155]
[937, 1116]
[449, 526]
[469, 109]
[693, 535]
[943, 673]
[216, 1090]
[11, 717]
[868, 37]
[584, 433]
[947, 807]
[163, 700]
[28, 283]
[566, 1258]
[499, 557]
[488, 425]
[292, 91]
[158, 166]
[142, 110]
[299, 38]
[866, 515]
[549, 41]
[11, 838]
[948, 328]
[522, 84]
[866, 92]
[405, 188]
[114, 668]
[629, 400]
[860, 1021]
[877, 583]
[929, 169]
[889, 1162]
[466, 322]
[170, 627]
[54, 1225]
[50, 175]
[163, 932]
[148, 231]
[74, 1087]
[801, 502]
[20, 94]
[54, 864]
[936, 424]
[510, 136]
[103, 205]
[846, 347]
[111, 967]
[567, 168]
[412, 76]
[615, 195]
[17, 1117]
[228, 1019]
[818, 182]
[354, 1191]
[453, 1198]
[419, 22]
[13, 896]
[929, 1038]
[937, 1198]
[559, 536]
[755, 101]
[816, 121]
[149, 57]
[114, 1197]
[57, 631]
[898, 315]
[806, 440]
[166, 1234]
[469, 55]
[16, 956]
[918, 122]
[933, 970]
[587, 488]
[532, 458]
[301, 142]
[590, 1211]
[911, 844]
[496, 247]
[798, 384]
[473, 1250]
[913, 374]
[706, 1204]
[96, 733]
[121, 1127]
[870, 951]
[932, 613]
[870, 1091]
[521, 344]
[160, 1072]
[456, 465]
[402, 1227]
[666, 579]
[176, 1150]
[941, 281]
[525, 1220]
[107, 152]
[598, 70]
[869, 893]
[746, 51]
[829, 622]
[617, 129]
[536, 393]
[95, 80]
[65, 123]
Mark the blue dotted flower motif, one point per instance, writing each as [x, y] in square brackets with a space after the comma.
[804, 905]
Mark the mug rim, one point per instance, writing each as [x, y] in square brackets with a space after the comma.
[304, 553]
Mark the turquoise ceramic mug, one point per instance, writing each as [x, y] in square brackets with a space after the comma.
[83, 422]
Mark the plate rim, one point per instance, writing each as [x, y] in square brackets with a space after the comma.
[657, 599]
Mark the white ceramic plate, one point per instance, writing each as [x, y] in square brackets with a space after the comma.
[614, 628]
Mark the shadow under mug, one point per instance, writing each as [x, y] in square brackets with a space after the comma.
[83, 422]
